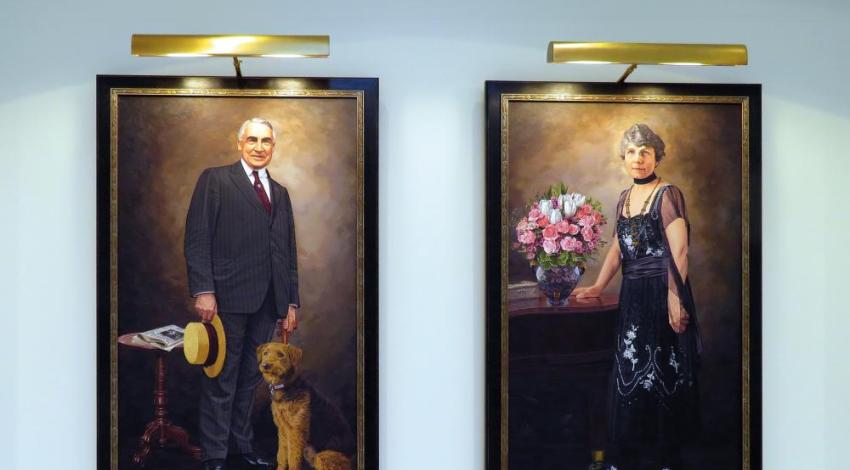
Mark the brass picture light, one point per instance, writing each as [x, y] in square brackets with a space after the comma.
[229, 45]
[645, 53]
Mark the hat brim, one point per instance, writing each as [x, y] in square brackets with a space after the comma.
[214, 369]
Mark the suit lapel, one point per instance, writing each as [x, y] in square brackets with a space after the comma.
[277, 195]
[240, 179]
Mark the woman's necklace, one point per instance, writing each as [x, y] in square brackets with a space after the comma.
[634, 224]
[645, 203]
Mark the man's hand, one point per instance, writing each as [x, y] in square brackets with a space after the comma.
[290, 323]
[677, 314]
[206, 306]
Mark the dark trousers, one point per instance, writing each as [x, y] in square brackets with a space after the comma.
[226, 401]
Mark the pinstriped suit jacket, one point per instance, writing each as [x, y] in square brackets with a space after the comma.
[234, 248]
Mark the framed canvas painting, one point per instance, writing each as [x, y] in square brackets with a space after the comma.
[237, 227]
[623, 276]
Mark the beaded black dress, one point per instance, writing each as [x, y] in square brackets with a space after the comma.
[654, 399]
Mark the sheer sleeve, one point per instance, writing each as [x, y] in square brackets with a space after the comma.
[673, 207]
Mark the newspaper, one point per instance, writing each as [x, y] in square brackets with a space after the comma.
[164, 337]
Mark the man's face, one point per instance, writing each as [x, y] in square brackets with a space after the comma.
[639, 160]
[256, 145]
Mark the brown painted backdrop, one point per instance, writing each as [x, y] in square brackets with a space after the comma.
[164, 143]
[578, 143]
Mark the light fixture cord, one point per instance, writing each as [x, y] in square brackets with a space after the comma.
[237, 65]
[627, 73]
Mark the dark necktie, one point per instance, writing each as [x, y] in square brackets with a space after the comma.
[261, 193]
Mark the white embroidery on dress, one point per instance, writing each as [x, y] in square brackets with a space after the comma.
[673, 361]
[654, 251]
[650, 376]
[647, 381]
[629, 351]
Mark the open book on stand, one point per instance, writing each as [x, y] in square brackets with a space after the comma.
[164, 337]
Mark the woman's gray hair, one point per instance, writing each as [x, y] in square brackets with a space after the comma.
[641, 135]
[254, 121]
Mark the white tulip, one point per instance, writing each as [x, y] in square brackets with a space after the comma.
[569, 207]
[545, 207]
[578, 199]
[555, 217]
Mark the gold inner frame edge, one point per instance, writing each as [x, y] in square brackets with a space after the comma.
[114, 94]
[744, 102]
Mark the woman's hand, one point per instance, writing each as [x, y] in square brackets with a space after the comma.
[587, 292]
[677, 314]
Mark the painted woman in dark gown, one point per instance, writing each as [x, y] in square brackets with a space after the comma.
[654, 406]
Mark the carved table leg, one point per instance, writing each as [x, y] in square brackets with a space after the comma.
[160, 433]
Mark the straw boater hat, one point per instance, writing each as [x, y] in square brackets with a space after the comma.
[204, 344]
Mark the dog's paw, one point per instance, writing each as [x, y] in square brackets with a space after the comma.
[310, 456]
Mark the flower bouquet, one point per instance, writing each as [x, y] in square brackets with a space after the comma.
[560, 232]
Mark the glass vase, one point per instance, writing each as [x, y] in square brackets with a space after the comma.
[558, 282]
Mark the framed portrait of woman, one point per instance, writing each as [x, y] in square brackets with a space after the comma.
[623, 275]
[237, 272]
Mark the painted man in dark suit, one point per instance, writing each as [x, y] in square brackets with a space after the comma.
[242, 265]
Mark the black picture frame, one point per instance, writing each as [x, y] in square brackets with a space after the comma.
[502, 96]
[365, 92]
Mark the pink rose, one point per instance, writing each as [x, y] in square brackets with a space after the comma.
[586, 221]
[562, 226]
[574, 229]
[587, 233]
[533, 215]
[597, 217]
[550, 246]
[522, 226]
[584, 210]
[566, 244]
[527, 237]
[572, 244]
[542, 221]
[550, 233]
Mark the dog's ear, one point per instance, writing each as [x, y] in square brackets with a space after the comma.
[260, 350]
[295, 355]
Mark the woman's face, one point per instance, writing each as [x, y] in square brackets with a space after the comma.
[640, 161]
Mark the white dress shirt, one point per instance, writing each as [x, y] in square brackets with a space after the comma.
[264, 177]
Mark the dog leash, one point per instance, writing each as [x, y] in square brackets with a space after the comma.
[283, 335]
[281, 332]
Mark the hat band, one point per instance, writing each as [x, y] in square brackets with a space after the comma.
[211, 334]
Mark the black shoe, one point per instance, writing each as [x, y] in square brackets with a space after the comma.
[253, 461]
[214, 464]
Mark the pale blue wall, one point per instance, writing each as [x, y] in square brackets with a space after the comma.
[432, 58]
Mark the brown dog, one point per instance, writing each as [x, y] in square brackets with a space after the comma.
[297, 410]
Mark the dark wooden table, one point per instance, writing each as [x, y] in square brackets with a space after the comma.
[560, 360]
[160, 432]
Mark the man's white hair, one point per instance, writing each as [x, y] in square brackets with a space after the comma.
[255, 120]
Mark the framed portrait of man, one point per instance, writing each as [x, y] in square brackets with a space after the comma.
[237, 272]
[623, 276]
